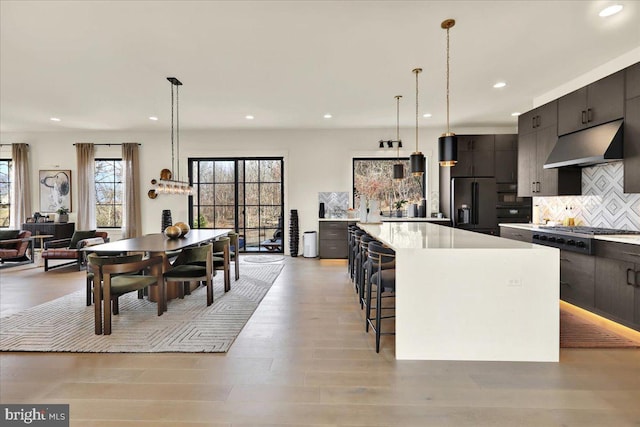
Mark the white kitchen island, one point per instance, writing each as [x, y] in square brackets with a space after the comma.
[468, 296]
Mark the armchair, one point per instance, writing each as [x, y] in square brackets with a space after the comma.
[14, 245]
[71, 249]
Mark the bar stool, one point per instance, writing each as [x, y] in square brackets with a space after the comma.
[382, 260]
[351, 228]
[354, 247]
[360, 260]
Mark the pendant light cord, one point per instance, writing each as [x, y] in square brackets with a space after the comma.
[398, 124]
[173, 163]
[416, 71]
[178, 132]
[448, 130]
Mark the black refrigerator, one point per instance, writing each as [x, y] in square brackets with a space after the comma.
[473, 204]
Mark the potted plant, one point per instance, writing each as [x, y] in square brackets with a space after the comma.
[63, 214]
[398, 205]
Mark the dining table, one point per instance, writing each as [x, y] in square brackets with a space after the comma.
[158, 244]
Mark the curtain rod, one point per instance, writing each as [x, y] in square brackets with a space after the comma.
[2, 145]
[109, 145]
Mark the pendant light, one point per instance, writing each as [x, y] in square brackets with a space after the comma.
[166, 184]
[417, 158]
[398, 168]
[448, 142]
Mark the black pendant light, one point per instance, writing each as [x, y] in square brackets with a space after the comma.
[448, 142]
[398, 168]
[417, 158]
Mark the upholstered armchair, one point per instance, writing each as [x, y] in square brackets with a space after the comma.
[14, 245]
[71, 249]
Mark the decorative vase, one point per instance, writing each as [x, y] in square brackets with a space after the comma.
[166, 219]
[63, 218]
[293, 233]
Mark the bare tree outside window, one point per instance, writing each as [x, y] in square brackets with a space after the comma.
[5, 192]
[373, 180]
[108, 181]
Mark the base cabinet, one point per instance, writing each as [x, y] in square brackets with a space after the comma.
[577, 284]
[618, 282]
[333, 241]
[516, 234]
[58, 230]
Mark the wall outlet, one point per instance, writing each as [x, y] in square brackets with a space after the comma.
[514, 283]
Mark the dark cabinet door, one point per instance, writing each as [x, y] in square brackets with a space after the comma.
[605, 99]
[632, 76]
[547, 178]
[572, 111]
[526, 164]
[464, 166]
[506, 167]
[483, 155]
[577, 285]
[632, 146]
[615, 288]
[527, 122]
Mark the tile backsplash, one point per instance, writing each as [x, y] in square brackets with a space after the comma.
[603, 202]
[336, 203]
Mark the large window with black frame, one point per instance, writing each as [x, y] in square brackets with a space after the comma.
[241, 193]
[5, 192]
[108, 184]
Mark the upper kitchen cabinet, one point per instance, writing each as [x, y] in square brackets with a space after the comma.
[475, 156]
[537, 135]
[506, 158]
[632, 146]
[595, 104]
[632, 75]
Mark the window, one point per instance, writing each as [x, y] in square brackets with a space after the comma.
[5, 192]
[373, 178]
[108, 177]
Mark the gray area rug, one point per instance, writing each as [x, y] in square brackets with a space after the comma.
[66, 324]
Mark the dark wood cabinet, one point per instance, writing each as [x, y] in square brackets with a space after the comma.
[632, 81]
[577, 281]
[516, 234]
[475, 156]
[595, 104]
[535, 143]
[57, 229]
[617, 278]
[333, 242]
[632, 146]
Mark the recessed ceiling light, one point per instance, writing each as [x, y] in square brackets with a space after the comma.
[610, 10]
[249, 117]
[499, 85]
[54, 119]
[154, 118]
[327, 116]
[516, 114]
[426, 115]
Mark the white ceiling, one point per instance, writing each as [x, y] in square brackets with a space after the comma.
[102, 65]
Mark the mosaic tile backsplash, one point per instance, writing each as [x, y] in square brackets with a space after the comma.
[603, 202]
[336, 203]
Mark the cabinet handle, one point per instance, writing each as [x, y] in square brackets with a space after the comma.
[533, 121]
[564, 283]
[584, 117]
[589, 115]
[538, 187]
[565, 259]
[631, 282]
[630, 253]
[538, 121]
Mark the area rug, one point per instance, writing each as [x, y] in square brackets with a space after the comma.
[576, 332]
[66, 324]
[261, 259]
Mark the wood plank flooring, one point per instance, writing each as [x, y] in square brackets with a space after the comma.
[304, 360]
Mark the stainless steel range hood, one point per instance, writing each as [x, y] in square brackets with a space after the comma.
[599, 144]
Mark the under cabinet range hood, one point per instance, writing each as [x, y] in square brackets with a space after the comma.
[599, 144]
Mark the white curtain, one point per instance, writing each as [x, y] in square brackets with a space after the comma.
[86, 206]
[21, 188]
[131, 216]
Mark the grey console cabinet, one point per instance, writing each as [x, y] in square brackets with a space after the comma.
[333, 241]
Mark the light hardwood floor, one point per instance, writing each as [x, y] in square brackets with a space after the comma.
[303, 359]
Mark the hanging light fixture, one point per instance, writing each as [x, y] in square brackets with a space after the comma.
[417, 159]
[398, 168]
[167, 185]
[448, 142]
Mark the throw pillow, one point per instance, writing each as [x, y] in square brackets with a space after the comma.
[81, 235]
[9, 234]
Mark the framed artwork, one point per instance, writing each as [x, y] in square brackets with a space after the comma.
[55, 190]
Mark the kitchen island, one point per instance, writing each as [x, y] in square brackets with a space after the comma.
[469, 296]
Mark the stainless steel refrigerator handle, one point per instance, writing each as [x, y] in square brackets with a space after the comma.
[474, 203]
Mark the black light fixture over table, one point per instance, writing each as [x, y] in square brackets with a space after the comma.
[448, 142]
[398, 168]
[417, 159]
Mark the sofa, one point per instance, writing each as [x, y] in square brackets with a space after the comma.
[16, 247]
[72, 248]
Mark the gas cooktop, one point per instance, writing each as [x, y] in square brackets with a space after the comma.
[594, 231]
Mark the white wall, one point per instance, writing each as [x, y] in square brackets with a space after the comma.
[314, 160]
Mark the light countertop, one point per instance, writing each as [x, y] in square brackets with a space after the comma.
[632, 239]
[390, 219]
[423, 235]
